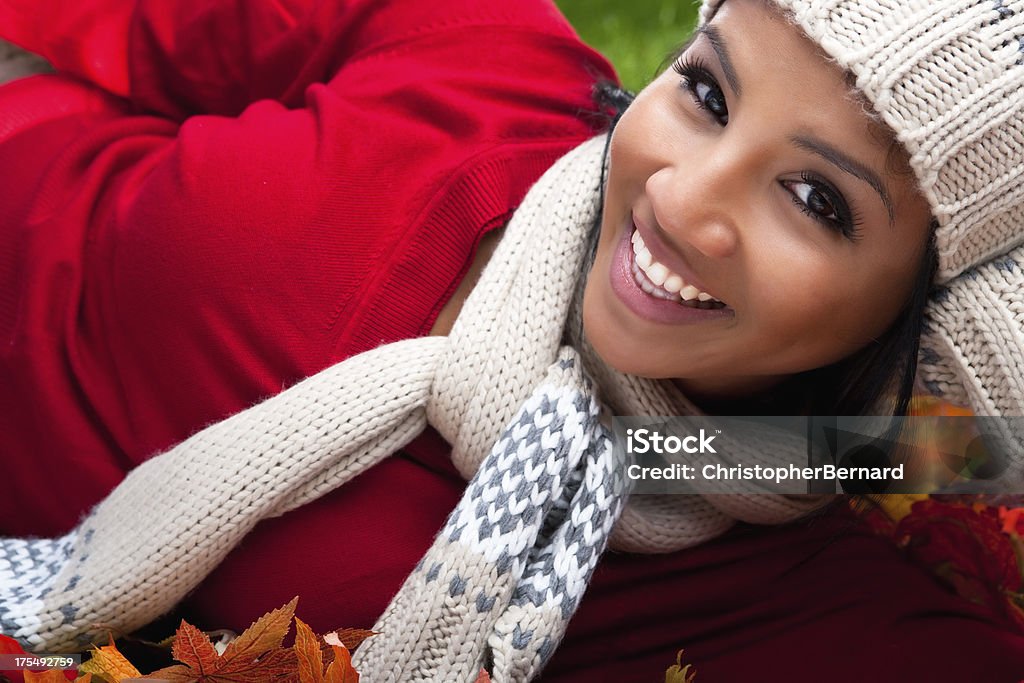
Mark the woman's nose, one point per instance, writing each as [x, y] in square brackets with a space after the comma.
[699, 210]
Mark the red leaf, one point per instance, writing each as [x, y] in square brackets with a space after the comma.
[9, 646]
[48, 676]
[193, 648]
[175, 674]
[966, 547]
[265, 634]
[108, 663]
[274, 665]
[1013, 520]
[351, 638]
[971, 539]
[307, 651]
[341, 670]
[254, 657]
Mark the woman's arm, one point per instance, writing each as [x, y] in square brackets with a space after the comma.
[187, 57]
[161, 275]
[175, 58]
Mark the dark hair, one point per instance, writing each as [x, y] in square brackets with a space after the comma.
[879, 378]
[876, 380]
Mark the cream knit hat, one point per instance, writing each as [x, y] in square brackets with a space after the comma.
[947, 76]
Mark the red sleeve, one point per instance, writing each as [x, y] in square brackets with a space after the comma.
[217, 56]
[170, 57]
[156, 276]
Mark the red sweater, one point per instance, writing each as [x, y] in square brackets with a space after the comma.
[233, 195]
[239, 195]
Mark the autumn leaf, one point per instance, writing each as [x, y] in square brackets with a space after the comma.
[310, 658]
[193, 648]
[341, 669]
[971, 539]
[49, 676]
[307, 652]
[351, 638]
[1012, 519]
[677, 673]
[108, 664]
[967, 548]
[255, 656]
[9, 646]
[266, 634]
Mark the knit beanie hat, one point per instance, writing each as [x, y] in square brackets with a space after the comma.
[947, 77]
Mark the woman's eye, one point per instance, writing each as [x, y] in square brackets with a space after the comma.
[712, 99]
[703, 87]
[819, 200]
[814, 200]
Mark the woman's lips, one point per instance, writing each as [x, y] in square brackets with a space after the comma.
[648, 306]
[665, 255]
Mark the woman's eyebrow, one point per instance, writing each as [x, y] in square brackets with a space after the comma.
[714, 36]
[848, 165]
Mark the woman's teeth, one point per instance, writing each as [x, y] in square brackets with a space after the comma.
[657, 280]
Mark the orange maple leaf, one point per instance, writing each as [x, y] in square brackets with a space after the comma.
[193, 648]
[51, 676]
[341, 669]
[253, 657]
[308, 652]
[109, 664]
[351, 638]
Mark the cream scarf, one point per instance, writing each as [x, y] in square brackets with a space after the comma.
[504, 576]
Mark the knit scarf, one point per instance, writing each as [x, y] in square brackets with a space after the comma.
[526, 414]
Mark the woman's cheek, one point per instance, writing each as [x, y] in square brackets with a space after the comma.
[794, 299]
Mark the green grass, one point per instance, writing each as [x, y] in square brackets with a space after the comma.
[635, 35]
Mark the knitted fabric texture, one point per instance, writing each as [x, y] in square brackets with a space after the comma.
[947, 77]
[507, 571]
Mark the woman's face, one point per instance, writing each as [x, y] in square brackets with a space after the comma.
[748, 174]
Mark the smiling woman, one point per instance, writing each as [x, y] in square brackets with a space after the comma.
[758, 183]
[394, 220]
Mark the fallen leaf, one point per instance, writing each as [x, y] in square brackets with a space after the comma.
[193, 648]
[966, 548]
[266, 634]
[52, 676]
[108, 664]
[9, 646]
[307, 652]
[341, 669]
[173, 674]
[1012, 519]
[49, 676]
[677, 673]
[254, 657]
[349, 637]
[970, 539]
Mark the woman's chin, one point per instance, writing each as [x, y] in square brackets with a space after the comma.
[617, 350]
